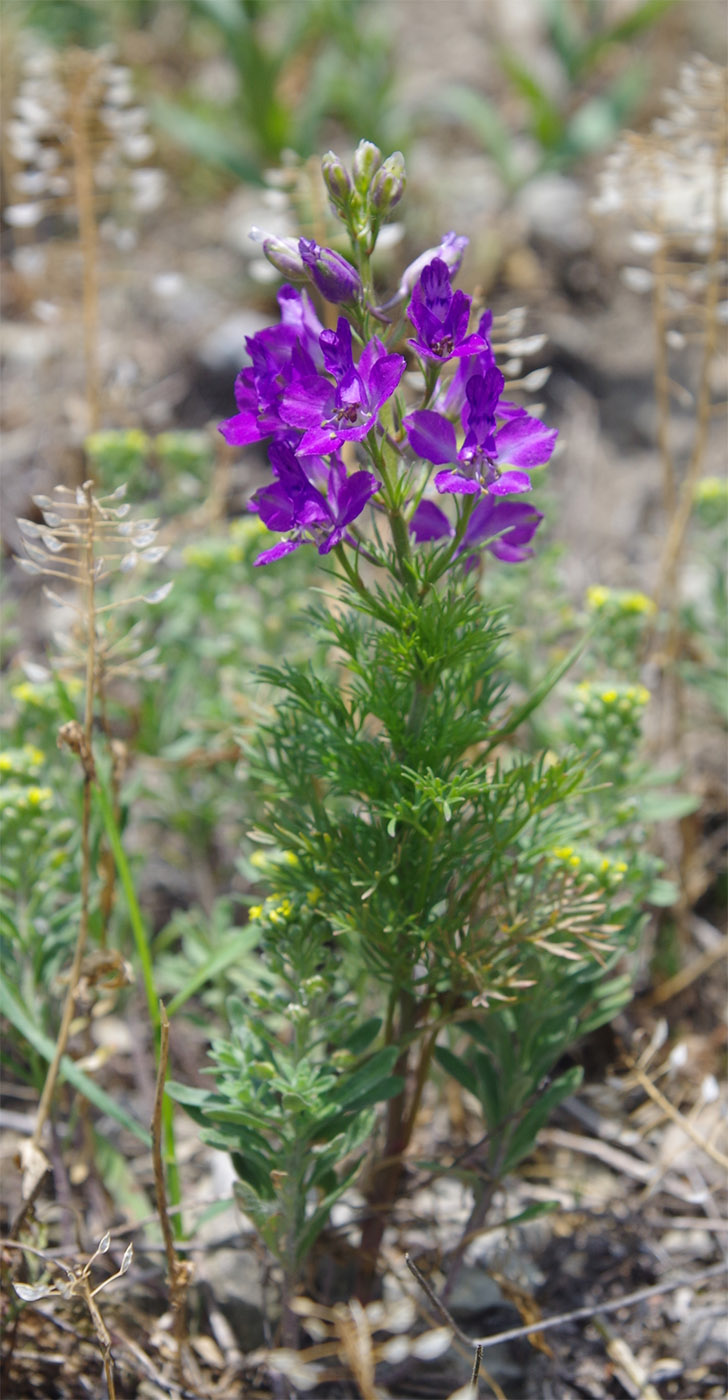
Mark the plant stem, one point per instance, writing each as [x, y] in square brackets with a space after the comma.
[386, 1174]
[82, 744]
[87, 232]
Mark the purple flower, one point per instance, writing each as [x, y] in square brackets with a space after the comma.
[505, 528]
[293, 504]
[450, 251]
[522, 442]
[335, 278]
[280, 355]
[347, 409]
[440, 317]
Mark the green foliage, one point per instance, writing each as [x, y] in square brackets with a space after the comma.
[579, 121]
[295, 1088]
[508, 1060]
[297, 67]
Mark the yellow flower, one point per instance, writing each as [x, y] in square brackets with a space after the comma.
[609, 696]
[281, 912]
[255, 911]
[35, 756]
[711, 488]
[563, 852]
[637, 603]
[6, 763]
[259, 860]
[597, 595]
[38, 796]
[26, 693]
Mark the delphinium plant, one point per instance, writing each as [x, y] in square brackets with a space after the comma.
[419, 887]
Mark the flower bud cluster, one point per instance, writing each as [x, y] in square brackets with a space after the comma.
[364, 198]
[711, 501]
[593, 867]
[609, 719]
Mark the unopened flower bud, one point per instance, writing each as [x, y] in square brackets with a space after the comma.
[388, 184]
[335, 278]
[450, 251]
[367, 159]
[283, 253]
[337, 180]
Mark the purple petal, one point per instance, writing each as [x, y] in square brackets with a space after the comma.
[336, 349]
[241, 429]
[274, 507]
[456, 484]
[429, 523]
[431, 436]
[434, 289]
[278, 551]
[525, 442]
[350, 496]
[306, 403]
[385, 377]
[509, 482]
[322, 440]
[510, 553]
[492, 517]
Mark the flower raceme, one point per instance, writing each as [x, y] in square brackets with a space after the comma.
[318, 393]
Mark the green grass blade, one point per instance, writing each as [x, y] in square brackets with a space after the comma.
[45, 1047]
[242, 941]
[135, 916]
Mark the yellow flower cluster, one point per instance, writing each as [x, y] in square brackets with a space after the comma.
[590, 862]
[622, 602]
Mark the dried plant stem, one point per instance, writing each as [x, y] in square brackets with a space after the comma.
[88, 238]
[178, 1270]
[662, 379]
[81, 742]
[680, 520]
[675, 1115]
[104, 1341]
[585, 1314]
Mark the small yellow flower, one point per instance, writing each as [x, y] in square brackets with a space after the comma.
[711, 488]
[6, 763]
[597, 595]
[575, 862]
[290, 857]
[620, 867]
[34, 756]
[605, 865]
[259, 860]
[313, 895]
[643, 695]
[280, 912]
[637, 603]
[26, 693]
[563, 852]
[609, 696]
[255, 911]
[38, 796]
